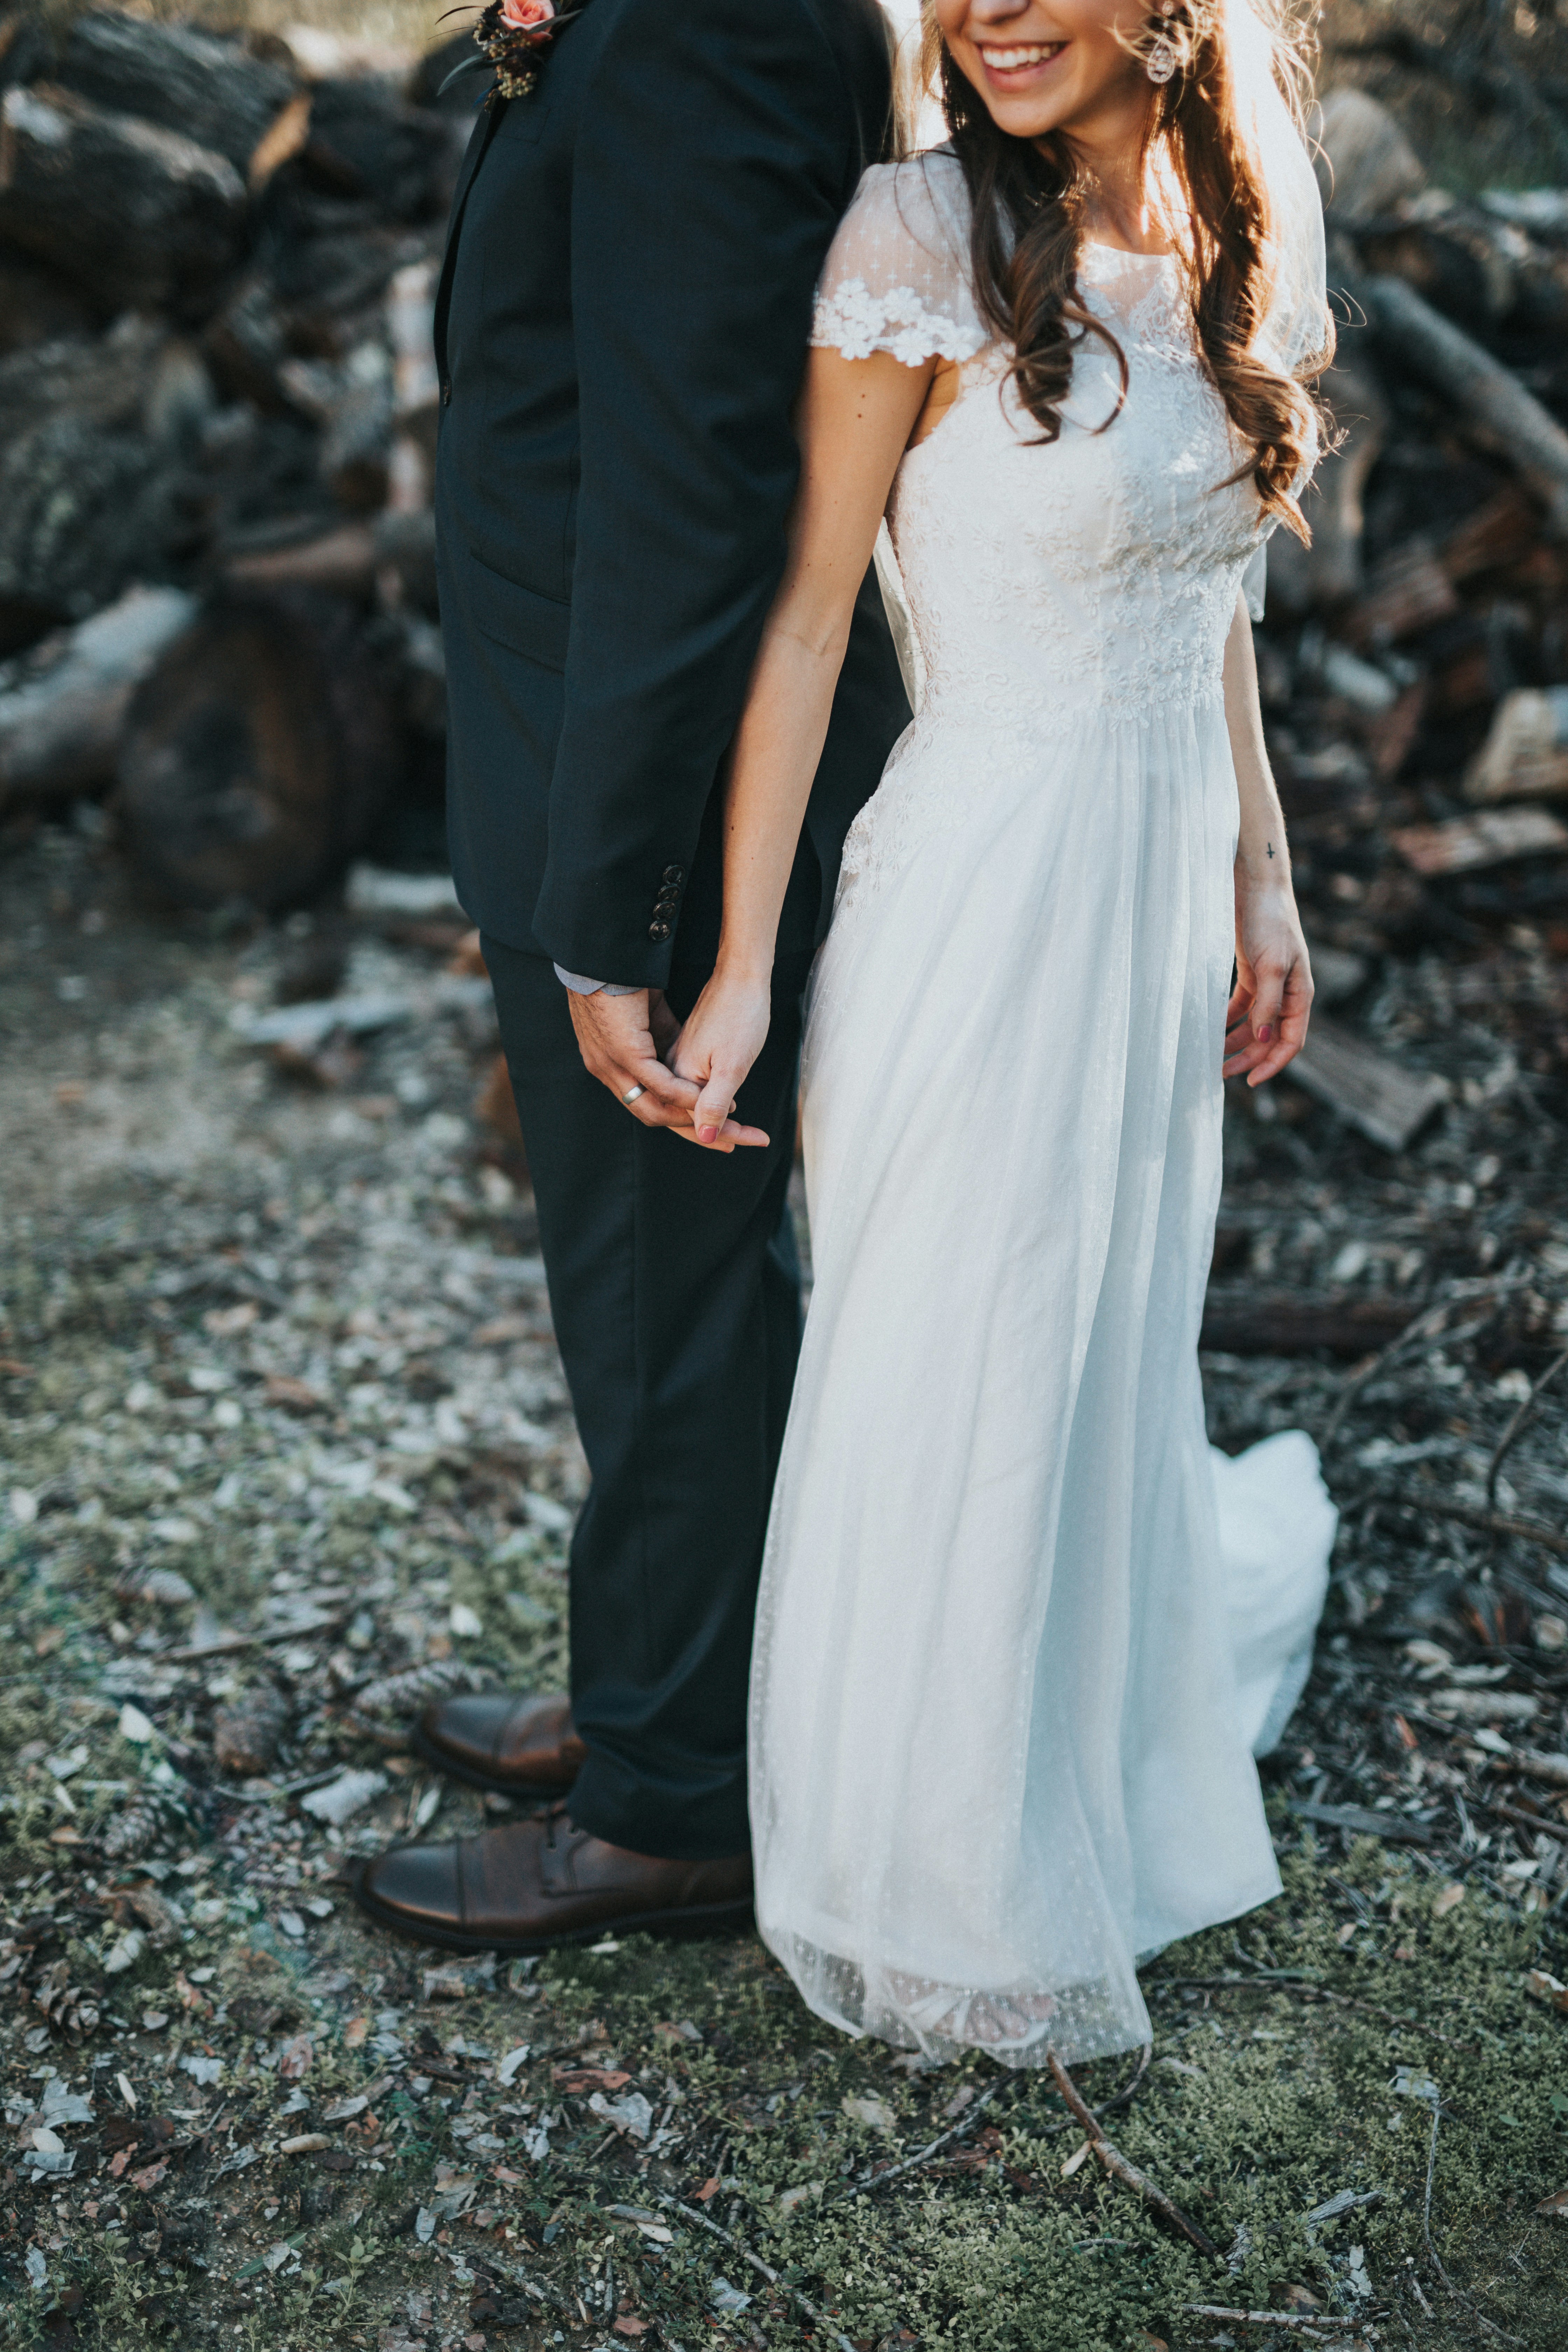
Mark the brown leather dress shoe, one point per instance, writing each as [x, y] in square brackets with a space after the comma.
[494, 1739]
[538, 1883]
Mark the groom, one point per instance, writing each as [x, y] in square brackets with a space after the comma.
[621, 330]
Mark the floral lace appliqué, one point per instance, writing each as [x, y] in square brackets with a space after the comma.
[857, 321]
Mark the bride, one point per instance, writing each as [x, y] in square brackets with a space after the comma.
[1020, 1632]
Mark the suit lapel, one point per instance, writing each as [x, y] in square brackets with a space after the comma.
[484, 130]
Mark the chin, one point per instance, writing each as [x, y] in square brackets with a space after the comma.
[1025, 118]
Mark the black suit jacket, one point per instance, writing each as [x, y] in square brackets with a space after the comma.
[621, 330]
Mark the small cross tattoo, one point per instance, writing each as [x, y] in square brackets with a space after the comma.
[1272, 849]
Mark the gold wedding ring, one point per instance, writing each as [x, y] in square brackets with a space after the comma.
[632, 1094]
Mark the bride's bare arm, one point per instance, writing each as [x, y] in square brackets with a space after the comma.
[1266, 1025]
[855, 419]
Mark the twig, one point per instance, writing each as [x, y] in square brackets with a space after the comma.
[1521, 1414]
[1124, 2095]
[1492, 1523]
[1425, 1325]
[1285, 1983]
[965, 2123]
[1457, 2293]
[1120, 2166]
[715, 2230]
[1264, 2319]
[1516, 1813]
[674, 2205]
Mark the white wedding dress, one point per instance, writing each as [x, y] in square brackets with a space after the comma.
[1021, 1632]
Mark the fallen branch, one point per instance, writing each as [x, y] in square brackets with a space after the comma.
[1122, 2167]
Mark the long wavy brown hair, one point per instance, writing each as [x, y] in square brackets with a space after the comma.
[1029, 197]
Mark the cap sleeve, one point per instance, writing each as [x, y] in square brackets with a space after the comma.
[896, 275]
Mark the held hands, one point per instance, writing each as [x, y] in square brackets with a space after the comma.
[622, 1040]
[716, 1049]
[1265, 1021]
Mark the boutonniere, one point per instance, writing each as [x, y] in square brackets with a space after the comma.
[514, 37]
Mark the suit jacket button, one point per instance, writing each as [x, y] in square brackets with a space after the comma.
[658, 930]
[673, 874]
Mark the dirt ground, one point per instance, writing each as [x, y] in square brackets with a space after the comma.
[286, 1446]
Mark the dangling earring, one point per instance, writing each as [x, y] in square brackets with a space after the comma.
[1161, 62]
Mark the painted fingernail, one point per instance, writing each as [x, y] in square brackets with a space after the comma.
[1264, 1033]
[708, 1134]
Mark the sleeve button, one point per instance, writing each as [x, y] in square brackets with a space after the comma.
[673, 874]
[658, 930]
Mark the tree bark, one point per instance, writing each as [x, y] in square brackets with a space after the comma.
[1491, 402]
[140, 215]
[1329, 572]
[1342, 1326]
[207, 89]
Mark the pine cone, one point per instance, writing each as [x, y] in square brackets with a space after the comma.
[130, 1831]
[67, 2010]
[400, 1694]
[246, 1735]
[383, 1710]
[164, 1584]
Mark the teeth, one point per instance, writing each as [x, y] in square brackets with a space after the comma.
[1009, 60]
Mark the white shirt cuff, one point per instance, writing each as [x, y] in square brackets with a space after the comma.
[581, 985]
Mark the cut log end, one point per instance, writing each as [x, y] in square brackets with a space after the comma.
[257, 755]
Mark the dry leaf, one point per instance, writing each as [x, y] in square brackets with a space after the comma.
[1557, 2205]
[589, 2078]
[1076, 2158]
[1542, 1986]
[875, 2112]
[294, 2058]
[1448, 1899]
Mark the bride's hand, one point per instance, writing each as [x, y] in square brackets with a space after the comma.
[718, 1045]
[1265, 1021]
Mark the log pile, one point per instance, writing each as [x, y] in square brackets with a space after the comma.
[217, 257]
[1412, 658]
[217, 263]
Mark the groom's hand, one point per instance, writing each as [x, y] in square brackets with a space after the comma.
[620, 1038]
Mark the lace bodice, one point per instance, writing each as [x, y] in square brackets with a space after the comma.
[1095, 575]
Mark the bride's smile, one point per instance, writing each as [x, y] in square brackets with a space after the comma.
[1068, 66]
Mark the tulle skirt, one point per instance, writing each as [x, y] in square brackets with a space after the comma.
[1020, 1631]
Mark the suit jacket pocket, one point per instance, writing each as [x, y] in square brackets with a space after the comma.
[520, 619]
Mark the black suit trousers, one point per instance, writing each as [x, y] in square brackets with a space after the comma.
[675, 1289]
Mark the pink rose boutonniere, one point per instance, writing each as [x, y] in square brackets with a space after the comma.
[514, 37]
